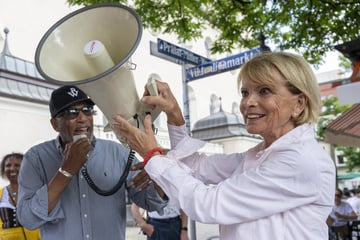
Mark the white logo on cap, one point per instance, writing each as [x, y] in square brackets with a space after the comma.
[73, 92]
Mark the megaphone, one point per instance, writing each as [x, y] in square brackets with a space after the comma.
[91, 48]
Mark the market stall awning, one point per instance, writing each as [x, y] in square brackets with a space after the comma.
[345, 129]
[348, 176]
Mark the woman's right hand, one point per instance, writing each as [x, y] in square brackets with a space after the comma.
[166, 102]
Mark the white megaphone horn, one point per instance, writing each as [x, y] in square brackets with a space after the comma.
[91, 48]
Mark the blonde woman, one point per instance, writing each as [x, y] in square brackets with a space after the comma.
[282, 188]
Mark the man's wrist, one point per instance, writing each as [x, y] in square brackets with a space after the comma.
[65, 173]
[184, 228]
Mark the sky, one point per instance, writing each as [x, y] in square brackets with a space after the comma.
[27, 21]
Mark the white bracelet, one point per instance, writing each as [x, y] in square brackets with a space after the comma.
[65, 173]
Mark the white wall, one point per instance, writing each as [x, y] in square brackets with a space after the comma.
[22, 125]
[239, 144]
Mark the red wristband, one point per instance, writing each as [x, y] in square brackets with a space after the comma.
[150, 153]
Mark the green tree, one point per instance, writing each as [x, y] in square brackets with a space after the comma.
[345, 64]
[352, 156]
[310, 27]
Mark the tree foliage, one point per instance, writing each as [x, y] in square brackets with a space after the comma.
[352, 156]
[311, 27]
[345, 64]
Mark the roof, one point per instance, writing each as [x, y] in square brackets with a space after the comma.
[220, 125]
[345, 129]
[19, 79]
[17, 65]
[350, 175]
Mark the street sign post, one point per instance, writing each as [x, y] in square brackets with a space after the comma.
[219, 66]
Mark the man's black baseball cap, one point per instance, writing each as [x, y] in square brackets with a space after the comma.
[66, 96]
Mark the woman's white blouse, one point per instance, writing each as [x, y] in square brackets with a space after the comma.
[283, 192]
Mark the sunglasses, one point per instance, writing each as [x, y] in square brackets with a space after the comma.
[73, 113]
[337, 195]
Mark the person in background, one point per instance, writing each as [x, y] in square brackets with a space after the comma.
[341, 212]
[283, 188]
[11, 229]
[74, 187]
[346, 193]
[354, 201]
[171, 225]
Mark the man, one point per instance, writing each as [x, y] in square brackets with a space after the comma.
[171, 225]
[355, 201]
[70, 187]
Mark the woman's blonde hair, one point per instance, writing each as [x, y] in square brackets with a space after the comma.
[295, 71]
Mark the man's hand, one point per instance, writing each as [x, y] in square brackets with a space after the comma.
[76, 155]
[147, 229]
[141, 180]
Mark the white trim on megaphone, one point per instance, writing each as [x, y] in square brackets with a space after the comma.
[91, 48]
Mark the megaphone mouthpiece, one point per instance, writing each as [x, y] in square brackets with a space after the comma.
[97, 56]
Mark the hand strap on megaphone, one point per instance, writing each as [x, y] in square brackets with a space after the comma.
[119, 183]
[122, 178]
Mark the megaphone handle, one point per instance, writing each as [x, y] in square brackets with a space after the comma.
[151, 86]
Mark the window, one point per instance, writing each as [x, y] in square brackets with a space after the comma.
[340, 160]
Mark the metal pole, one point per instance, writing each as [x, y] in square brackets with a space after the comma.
[192, 224]
[185, 98]
[263, 47]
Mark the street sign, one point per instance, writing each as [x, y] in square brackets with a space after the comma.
[220, 66]
[180, 53]
[154, 51]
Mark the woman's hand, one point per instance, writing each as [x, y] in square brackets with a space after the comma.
[166, 102]
[140, 141]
